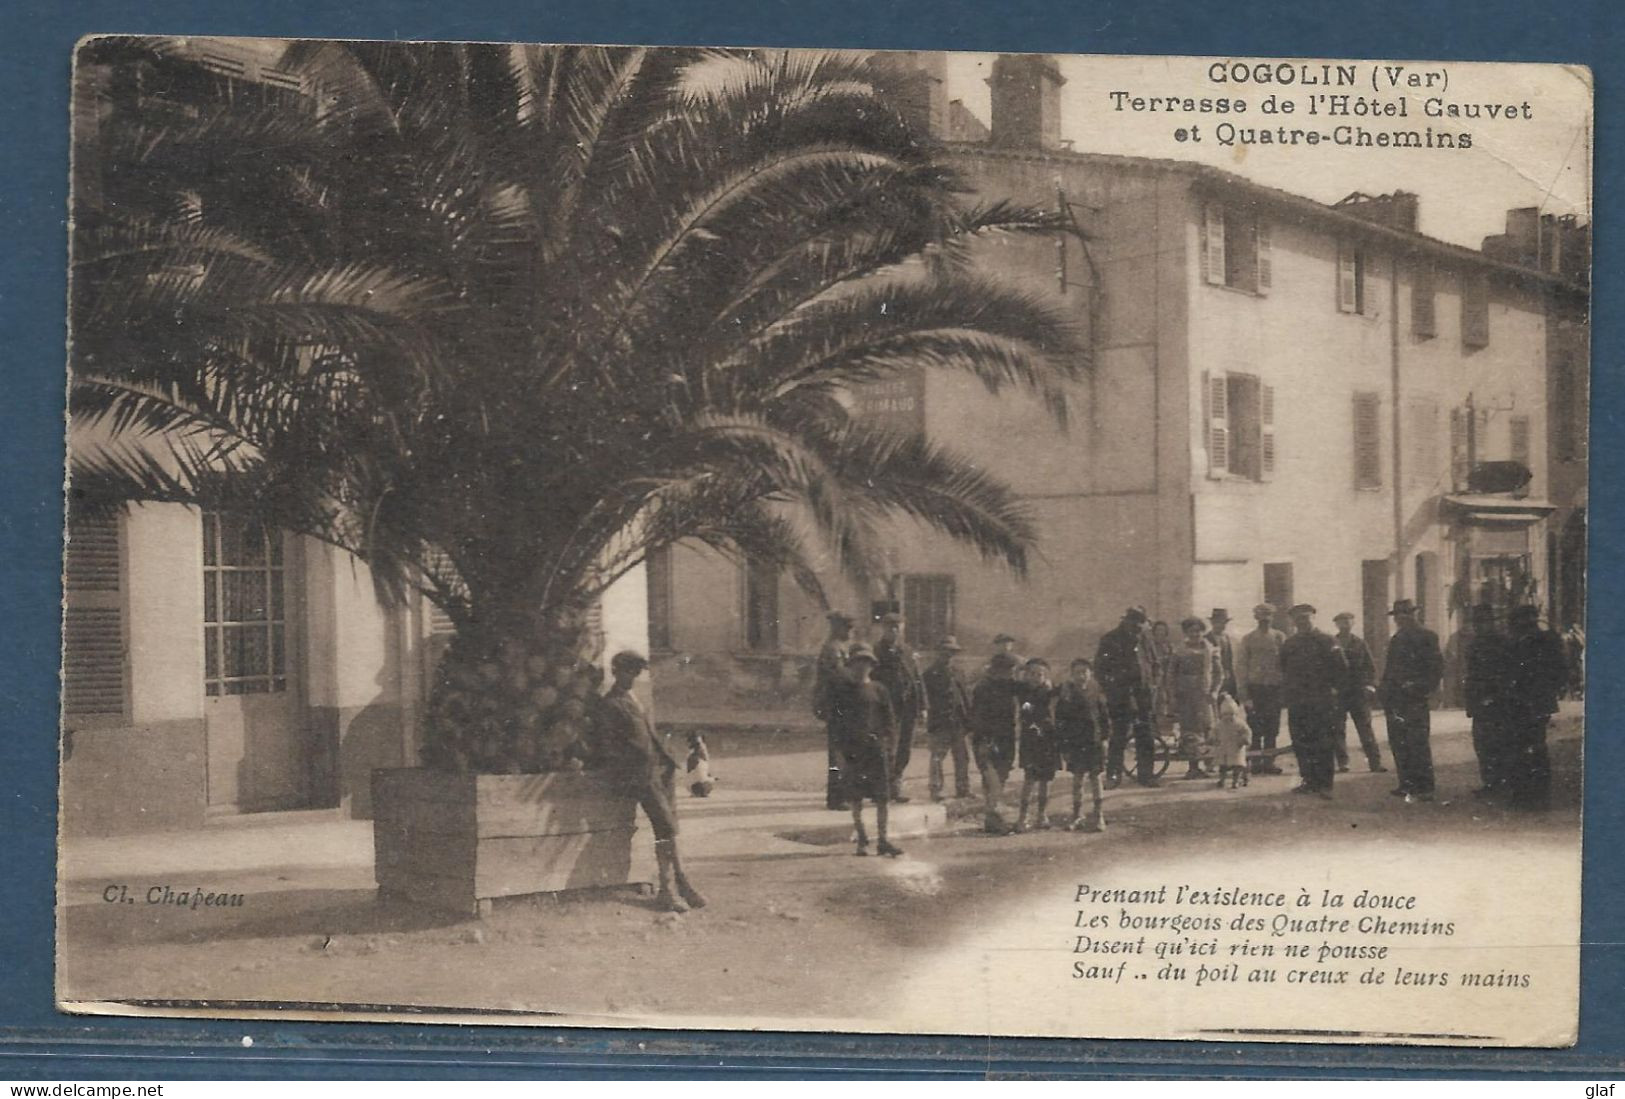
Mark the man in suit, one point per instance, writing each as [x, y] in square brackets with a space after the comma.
[1483, 688]
[829, 673]
[1410, 674]
[1121, 668]
[641, 764]
[1313, 671]
[1354, 700]
[896, 670]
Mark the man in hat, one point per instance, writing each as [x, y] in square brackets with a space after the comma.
[1258, 679]
[1354, 700]
[1313, 672]
[947, 708]
[866, 735]
[1410, 674]
[995, 706]
[828, 673]
[1536, 672]
[1224, 651]
[1484, 685]
[641, 764]
[896, 670]
[1120, 666]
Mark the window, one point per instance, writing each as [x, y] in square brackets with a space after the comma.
[761, 607]
[1351, 268]
[1475, 312]
[1235, 250]
[244, 609]
[1367, 440]
[658, 567]
[928, 609]
[1424, 319]
[1240, 417]
[1278, 593]
[92, 621]
[1518, 448]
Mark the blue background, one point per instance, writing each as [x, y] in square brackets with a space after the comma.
[35, 44]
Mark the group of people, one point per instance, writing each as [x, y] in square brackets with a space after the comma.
[1225, 696]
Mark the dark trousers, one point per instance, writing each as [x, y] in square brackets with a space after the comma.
[1358, 708]
[1312, 726]
[1409, 724]
[1490, 743]
[905, 745]
[1130, 710]
[1528, 764]
[834, 787]
[659, 801]
[1264, 719]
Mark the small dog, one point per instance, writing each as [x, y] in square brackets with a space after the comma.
[700, 780]
[1232, 736]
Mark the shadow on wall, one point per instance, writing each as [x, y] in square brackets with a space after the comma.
[377, 734]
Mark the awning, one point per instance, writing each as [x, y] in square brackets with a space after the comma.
[1483, 509]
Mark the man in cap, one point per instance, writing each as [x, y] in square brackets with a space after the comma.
[1313, 672]
[1354, 700]
[1536, 672]
[1484, 686]
[828, 673]
[1121, 668]
[896, 670]
[1410, 674]
[995, 707]
[947, 708]
[641, 764]
[1258, 679]
[1003, 644]
[1224, 651]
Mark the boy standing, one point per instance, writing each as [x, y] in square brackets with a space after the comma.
[1040, 754]
[1082, 725]
[947, 708]
[993, 707]
[867, 736]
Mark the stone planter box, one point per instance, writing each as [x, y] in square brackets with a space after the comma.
[459, 841]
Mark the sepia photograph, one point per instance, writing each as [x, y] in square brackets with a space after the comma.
[758, 539]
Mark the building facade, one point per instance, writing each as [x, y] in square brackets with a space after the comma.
[1289, 401]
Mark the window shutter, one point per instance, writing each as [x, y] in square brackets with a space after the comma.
[1367, 441]
[1424, 321]
[92, 621]
[1458, 447]
[1520, 450]
[1348, 281]
[1475, 312]
[1266, 418]
[1218, 425]
[1213, 246]
[1261, 244]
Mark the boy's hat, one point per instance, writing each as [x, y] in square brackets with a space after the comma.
[1303, 608]
[1004, 639]
[1137, 614]
[1343, 616]
[1002, 662]
[630, 659]
[1403, 606]
[1037, 662]
[861, 651]
[1220, 614]
[1264, 610]
[949, 644]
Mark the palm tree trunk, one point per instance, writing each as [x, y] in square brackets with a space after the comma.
[513, 693]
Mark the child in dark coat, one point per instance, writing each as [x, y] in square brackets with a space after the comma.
[866, 738]
[1040, 751]
[1082, 725]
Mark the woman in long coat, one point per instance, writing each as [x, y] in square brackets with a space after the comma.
[1192, 687]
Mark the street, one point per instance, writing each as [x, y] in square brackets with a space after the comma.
[797, 930]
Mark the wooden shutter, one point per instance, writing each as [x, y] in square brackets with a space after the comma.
[92, 621]
[1213, 245]
[1475, 312]
[1367, 440]
[1266, 419]
[1458, 447]
[1348, 280]
[1261, 244]
[1519, 450]
[1424, 320]
[1218, 424]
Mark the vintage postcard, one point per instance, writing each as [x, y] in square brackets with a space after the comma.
[754, 539]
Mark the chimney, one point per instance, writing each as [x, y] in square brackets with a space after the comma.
[917, 81]
[1026, 101]
[1398, 210]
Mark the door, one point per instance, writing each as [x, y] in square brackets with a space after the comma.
[256, 758]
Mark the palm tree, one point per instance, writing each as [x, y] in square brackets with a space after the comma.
[499, 321]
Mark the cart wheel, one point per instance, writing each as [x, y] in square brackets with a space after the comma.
[1163, 755]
